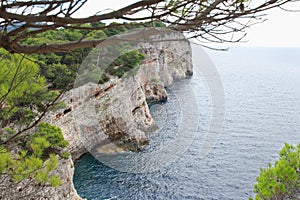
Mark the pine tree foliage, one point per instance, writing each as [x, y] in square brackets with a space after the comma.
[280, 180]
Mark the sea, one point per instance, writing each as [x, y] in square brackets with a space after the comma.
[246, 103]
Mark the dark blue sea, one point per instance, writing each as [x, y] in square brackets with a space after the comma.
[261, 88]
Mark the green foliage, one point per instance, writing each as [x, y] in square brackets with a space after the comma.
[65, 155]
[103, 78]
[114, 31]
[52, 163]
[29, 166]
[59, 75]
[36, 159]
[55, 181]
[47, 137]
[23, 92]
[42, 176]
[9, 130]
[60, 68]
[281, 180]
[5, 160]
[126, 62]
[25, 167]
[38, 145]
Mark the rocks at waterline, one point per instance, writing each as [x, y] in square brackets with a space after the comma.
[113, 116]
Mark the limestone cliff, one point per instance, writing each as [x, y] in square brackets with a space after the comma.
[114, 116]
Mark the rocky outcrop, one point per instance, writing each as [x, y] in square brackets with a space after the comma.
[114, 116]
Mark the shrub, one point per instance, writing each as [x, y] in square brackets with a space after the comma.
[281, 180]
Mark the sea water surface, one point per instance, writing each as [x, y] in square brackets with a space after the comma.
[262, 98]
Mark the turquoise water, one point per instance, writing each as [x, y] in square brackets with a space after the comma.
[262, 112]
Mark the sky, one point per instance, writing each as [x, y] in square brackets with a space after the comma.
[282, 29]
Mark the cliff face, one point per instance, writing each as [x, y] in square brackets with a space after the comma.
[114, 116]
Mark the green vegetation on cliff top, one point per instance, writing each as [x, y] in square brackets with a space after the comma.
[30, 86]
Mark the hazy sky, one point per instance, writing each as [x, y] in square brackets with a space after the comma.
[281, 29]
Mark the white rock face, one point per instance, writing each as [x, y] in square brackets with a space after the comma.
[114, 116]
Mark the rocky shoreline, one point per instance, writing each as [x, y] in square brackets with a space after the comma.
[114, 116]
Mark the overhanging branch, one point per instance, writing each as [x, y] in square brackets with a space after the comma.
[202, 18]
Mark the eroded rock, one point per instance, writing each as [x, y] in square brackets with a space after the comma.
[113, 117]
